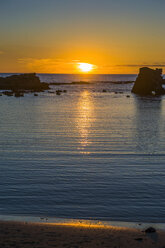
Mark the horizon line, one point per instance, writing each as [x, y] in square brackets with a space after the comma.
[69, 73]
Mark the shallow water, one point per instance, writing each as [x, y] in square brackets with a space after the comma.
[84, 154]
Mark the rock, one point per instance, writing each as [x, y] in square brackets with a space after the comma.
[35, 94]
[27, 81]
[120, 82]
[104, 90]
[19, 94]
[128, 95]
[51, 92]
[150, 230]
[58, 92]
[80, 82]
[65, 91]
[149, 82]
[8, 93]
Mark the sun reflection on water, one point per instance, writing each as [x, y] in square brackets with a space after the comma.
[84, 120]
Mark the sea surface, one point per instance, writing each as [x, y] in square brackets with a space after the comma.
[85, 153]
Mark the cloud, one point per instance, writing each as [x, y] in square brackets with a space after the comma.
[127, 68]
[46, 65]
[142, 65]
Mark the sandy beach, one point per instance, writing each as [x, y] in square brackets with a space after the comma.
[18, 234]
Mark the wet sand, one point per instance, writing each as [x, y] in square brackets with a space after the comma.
[20, 235]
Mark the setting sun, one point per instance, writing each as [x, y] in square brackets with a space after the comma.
[85, 67]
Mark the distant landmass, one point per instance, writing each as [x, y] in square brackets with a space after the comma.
[86, 82]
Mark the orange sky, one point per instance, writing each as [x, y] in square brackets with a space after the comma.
[54, 36]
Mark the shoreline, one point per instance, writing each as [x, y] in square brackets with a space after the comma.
[81, 222]
[47, 235]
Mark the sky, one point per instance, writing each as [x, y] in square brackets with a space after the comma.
[53, 36]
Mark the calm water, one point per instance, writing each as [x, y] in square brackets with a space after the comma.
[84, 154]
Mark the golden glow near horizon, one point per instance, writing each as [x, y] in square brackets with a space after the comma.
[85, 67]
[62, 37]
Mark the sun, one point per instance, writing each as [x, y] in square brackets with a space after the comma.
[85, 67]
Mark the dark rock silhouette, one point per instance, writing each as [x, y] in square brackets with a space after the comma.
[149, 82]
[150, 230]
[50, 92]
[8, 93]
[80, 82]
[28, 82]
[58, 92]
[19, 94]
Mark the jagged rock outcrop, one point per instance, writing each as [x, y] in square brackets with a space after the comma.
[27, 81]
[149, 82]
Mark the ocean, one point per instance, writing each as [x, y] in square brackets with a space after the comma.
[94, 152]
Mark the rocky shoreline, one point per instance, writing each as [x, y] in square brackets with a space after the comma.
[17, 85]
